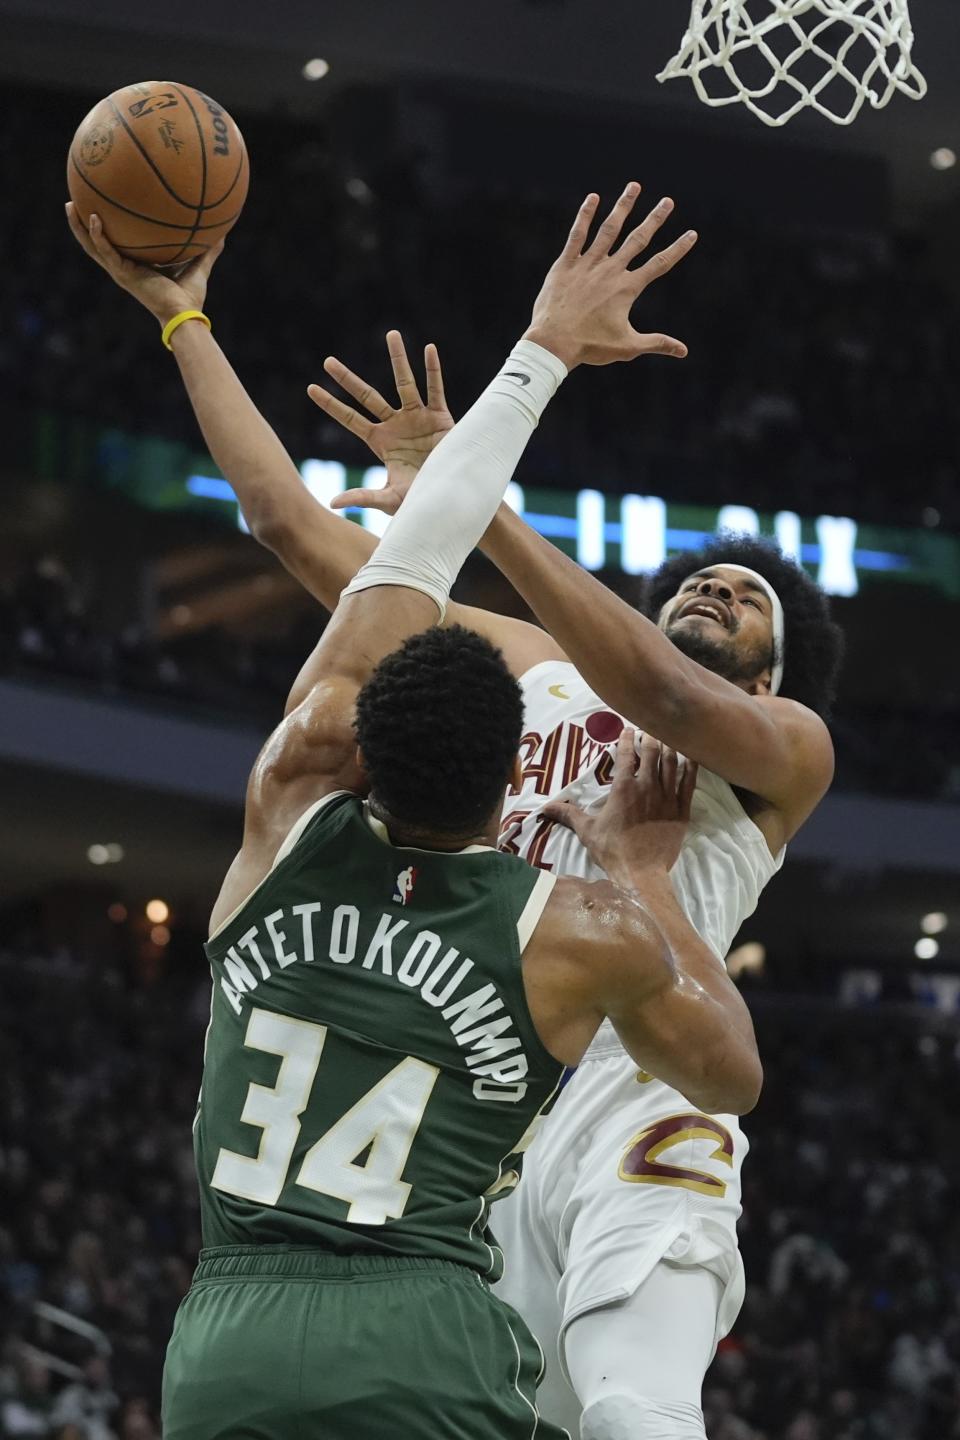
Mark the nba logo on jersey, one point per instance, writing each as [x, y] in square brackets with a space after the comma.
[405, 883]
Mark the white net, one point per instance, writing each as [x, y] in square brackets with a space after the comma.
[778, 57]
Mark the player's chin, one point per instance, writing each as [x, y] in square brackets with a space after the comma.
[702, 639]
[700, 625]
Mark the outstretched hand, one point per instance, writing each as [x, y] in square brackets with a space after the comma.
[582, 314]
[400, 437]
[161, 294]
[642, 824]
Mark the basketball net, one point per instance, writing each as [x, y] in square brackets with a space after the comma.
[781, 58]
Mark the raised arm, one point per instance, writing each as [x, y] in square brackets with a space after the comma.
[405, 585]
[320, 549]
[772, 747]
[401, 590]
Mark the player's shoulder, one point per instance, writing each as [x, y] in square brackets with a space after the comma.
[590, 916]
[808, 731]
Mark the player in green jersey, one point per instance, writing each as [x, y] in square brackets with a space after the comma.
[394, 1001]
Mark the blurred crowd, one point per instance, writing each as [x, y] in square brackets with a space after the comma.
[820, 374]
[46, 632]
[851, 1241]
[98, 1230]
[819, 379]
[850, 1233]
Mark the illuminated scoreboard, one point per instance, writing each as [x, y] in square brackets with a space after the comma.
[602, 530]
[635, 533]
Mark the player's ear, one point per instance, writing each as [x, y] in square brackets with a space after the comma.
[761, 685]
[516, 774]
[361, 763]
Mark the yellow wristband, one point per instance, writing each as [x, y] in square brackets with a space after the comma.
[178, 320]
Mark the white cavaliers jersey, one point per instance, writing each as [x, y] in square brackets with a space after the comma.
[567, 754]
[622, 1174]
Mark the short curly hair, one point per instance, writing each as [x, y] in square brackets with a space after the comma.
[812, 642]
[439, 724]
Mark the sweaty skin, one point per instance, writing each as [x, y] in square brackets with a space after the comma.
[601, 950]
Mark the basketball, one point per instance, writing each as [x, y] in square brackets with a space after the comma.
[164, 167]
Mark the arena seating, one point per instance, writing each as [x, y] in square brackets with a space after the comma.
[850, 1234]
[793, 395]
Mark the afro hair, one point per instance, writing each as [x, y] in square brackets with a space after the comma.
[439, 724]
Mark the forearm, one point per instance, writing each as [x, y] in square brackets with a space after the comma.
[621, 654]
[463, 480]
[692, 956]
[407, 581]
[686, 1040]
[321, 550]
[698, 1034]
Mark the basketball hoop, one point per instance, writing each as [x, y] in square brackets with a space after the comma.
[783, 60]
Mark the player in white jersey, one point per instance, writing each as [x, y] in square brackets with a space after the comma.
[631, 1196]
[634, 1298]
[621, 1244]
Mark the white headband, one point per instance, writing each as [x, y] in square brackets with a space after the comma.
[776, 668]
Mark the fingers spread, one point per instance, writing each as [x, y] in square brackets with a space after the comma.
[344, 415]
[609, 232]
[640, 238]
[363, 393]
[402, 374]
[581, 227]
[664, 261]
[436, 399]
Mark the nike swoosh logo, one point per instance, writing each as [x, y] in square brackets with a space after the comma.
[516, 375]
[559, 692]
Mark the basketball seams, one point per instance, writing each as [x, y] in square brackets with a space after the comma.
[139, 215]
[187, 204]
[184, 240]
[203, 174]
[212, 204]
[161, 245]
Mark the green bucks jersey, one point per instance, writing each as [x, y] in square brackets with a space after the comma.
[372, 1074]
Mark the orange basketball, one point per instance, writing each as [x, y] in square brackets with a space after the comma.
[164, 167]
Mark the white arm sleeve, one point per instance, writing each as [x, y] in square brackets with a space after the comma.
[457, 493]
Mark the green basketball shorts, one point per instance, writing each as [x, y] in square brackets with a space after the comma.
[291, 1344]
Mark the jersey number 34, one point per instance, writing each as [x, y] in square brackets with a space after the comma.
[384, 1122]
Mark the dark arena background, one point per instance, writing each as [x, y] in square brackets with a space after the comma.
[423, 180]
